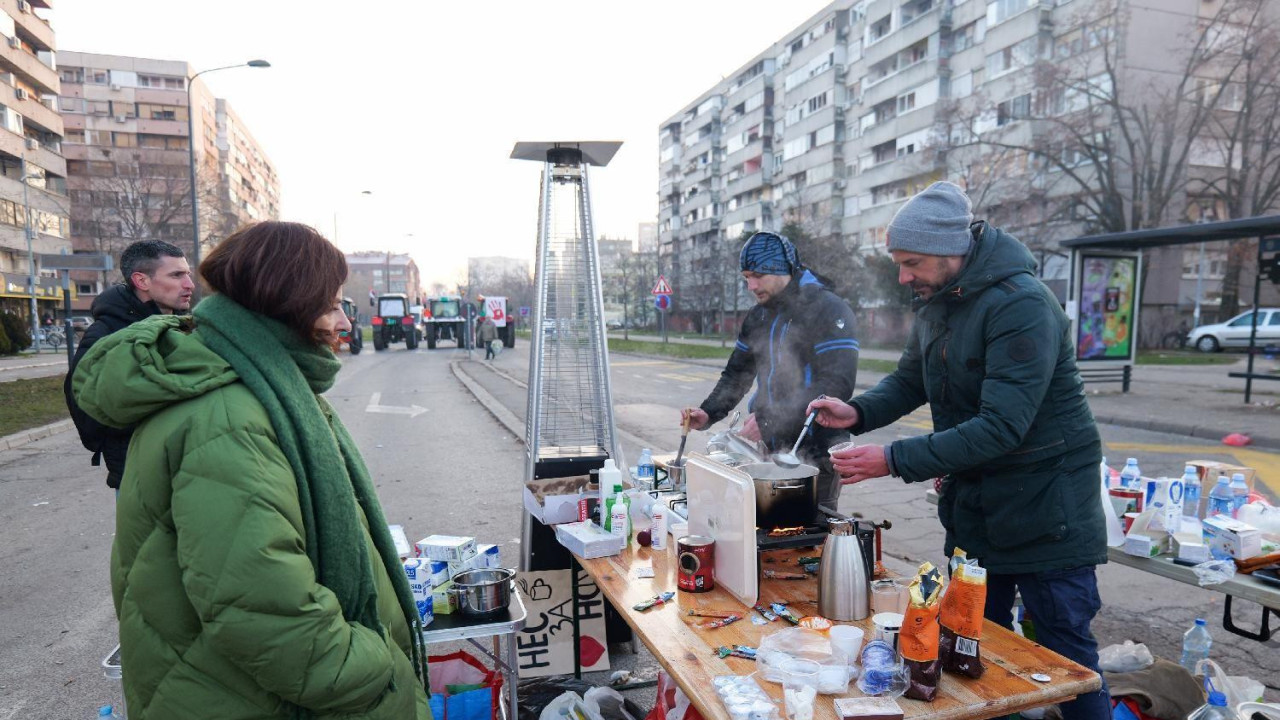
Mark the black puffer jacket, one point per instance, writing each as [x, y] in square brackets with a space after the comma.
[115, 309]
[796, 347]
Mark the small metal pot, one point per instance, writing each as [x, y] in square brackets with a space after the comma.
[675, 473]
[484, 592]
[785, 497]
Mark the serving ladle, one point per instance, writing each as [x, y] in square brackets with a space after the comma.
[788, 459]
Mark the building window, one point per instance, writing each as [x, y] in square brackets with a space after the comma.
[73, 136]
[71, 74]
[1000, 10]
[86, 288]
[1013, 109]
[906, 102]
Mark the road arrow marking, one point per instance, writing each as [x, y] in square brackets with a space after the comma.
[375, 406]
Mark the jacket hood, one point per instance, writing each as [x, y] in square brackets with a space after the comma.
[119, 305]
[996, 255]
[136, 372]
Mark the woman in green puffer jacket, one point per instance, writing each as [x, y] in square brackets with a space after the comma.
[252, 571]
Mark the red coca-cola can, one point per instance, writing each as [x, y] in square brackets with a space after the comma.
[697, 558]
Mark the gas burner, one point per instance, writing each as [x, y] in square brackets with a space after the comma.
[789, 531]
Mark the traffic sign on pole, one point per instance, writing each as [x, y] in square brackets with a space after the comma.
[662, 287]
[662, 302]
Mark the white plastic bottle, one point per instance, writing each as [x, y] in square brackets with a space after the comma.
[1131, 476]
[658, 530]
[620, 517]
[1190, 492]
[1239, 493]
[610, 480]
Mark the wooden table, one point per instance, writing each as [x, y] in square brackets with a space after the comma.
[687, 653]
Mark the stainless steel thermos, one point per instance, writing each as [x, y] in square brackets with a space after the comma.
[844, 579]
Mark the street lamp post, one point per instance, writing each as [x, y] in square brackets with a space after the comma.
[31, 257]
[191, 151]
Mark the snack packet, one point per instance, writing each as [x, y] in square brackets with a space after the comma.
[918, 638]
[961, 617]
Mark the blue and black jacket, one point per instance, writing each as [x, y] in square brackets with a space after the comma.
[796, 347]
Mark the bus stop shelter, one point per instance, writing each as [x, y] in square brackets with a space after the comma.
[1104, 294]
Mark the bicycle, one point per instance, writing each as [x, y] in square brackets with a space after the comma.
[53, 337]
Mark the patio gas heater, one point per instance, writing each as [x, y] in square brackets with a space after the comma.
[569, 428]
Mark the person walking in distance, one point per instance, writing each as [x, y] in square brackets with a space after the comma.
[487, 333]
[157, 280]
[1014, 440]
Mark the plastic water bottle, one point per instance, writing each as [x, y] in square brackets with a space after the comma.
[1190, 492]
[1215, 709]
[644, 469]
[1131, 476]
[1195, 646]
[1220, 498]
[106, 712]
[1239, 493]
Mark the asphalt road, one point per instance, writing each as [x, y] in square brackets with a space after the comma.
[443, 464]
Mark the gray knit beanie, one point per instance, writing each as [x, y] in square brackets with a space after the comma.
[935, 222]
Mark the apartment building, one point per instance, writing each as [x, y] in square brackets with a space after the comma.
[33, 187]
[838, 122]
[374, 273]
[128, 153]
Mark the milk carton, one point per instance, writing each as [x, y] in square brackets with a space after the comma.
[487, 556]
[439, 573]
[1164, 497]
[443, 602]
[418, 572]
[447, 548]
[403, 549]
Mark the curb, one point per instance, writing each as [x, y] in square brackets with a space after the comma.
[31, 365]
[1260, 442]
[19, 439]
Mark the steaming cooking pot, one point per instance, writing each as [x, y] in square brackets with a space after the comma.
[785, 497]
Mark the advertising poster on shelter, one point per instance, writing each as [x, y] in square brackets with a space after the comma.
[1107, 296]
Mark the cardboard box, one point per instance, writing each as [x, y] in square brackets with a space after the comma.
[446, 548]
[588, 540]
[1227, 537]
[442, 601]
[403, 548]
[487, 556]
[552, 501]
[419, 574]
[1143, 545]
[1208, 470]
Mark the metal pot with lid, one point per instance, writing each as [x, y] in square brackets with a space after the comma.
[785, 497]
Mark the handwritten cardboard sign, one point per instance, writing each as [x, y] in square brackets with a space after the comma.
[545, 646]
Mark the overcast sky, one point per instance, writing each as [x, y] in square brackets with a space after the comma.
[421, 102]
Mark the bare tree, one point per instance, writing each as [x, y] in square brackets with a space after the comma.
[1105, 146]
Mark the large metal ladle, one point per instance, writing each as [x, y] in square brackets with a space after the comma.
[789, 459]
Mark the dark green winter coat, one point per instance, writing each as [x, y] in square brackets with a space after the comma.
[1013, 435]
[220, 612]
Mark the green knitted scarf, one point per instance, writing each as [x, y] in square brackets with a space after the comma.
[287, 374]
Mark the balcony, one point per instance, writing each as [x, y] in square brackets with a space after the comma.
[31, 24]
[15, 145]
[704, 225]
[22, 62]
[895, 83]
[744, 184]
[34, 110]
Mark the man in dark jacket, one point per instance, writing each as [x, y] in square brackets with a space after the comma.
[797, 343]
[1013, 440]
[157, 280]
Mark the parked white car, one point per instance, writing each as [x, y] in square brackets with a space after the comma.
[1234, 333]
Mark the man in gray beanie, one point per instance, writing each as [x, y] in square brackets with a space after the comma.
[1014, 441]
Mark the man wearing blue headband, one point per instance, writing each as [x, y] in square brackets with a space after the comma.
[796, 344]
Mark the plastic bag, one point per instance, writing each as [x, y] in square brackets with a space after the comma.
[779, 652]
[462, 670]
[568, 706]
[605, 703]
[672, 703]
[1213, 572]
[1125, 658]
[1237, 688]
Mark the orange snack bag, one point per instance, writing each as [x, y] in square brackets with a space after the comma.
[962, 610]
[918, 638]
